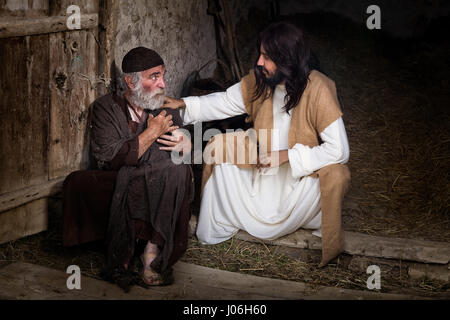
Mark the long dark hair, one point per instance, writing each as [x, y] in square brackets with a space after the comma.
[289, 49]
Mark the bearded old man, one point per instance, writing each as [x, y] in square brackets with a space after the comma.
[139, 193]
[301, 180]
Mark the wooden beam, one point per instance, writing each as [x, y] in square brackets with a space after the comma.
[17, 198]
[24, 221]
[360, 244]
[108, 15]
[31, 26]
[25, 281]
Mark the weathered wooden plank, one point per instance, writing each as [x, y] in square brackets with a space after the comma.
[73, 71]
[362, 244]
[11, 200]
[43, 25]
[208, 280]
[23, 221]
[24, 8]
[28, 281]
[23, 112]
[108, 13]
[59, 7]
[435, 272]
[397, 248]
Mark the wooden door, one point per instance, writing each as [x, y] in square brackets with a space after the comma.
[48, 79]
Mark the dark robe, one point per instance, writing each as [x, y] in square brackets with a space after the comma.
[130, 198]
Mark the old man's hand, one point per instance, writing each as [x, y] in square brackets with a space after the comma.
[161, 124]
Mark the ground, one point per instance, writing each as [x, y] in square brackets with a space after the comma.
[394, 95]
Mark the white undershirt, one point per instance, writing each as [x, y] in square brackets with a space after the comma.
[133, 116]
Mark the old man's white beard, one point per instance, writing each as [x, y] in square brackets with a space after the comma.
[148, 100]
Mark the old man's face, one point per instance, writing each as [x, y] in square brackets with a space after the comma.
[149, 91]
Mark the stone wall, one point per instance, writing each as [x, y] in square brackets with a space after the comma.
[180, 31]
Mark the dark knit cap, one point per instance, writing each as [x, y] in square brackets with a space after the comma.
[140, 59]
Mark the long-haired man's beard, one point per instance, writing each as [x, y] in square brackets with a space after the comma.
[148, 100]
[274, 80]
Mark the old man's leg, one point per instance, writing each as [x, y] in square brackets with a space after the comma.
[156, 241]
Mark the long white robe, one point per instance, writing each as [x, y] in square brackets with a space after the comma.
[267, 205]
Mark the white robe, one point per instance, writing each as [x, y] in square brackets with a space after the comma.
[268, 205]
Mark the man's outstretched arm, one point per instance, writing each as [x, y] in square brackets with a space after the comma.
[214, 106]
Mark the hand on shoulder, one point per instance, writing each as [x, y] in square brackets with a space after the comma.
[173, 103]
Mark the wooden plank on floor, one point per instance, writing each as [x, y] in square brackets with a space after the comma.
[397, 248]
[23, 221]
[361, 244]
[25, 281]
[430, 271]
[11, 200]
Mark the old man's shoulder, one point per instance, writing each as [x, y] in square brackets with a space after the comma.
[108, 100]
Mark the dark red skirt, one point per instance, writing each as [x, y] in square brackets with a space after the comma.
[87, 197]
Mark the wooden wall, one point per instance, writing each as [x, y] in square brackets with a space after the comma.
[48, 79]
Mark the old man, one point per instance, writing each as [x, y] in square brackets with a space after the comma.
[300, 178]
[139, 193]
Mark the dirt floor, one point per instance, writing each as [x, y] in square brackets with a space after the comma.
[394, 95]
[233, 255]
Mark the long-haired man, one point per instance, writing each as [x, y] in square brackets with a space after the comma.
[300, 176]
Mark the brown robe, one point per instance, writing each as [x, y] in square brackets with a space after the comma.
[131, 198]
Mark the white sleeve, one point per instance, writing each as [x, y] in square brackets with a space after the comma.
[334, 149]
[214, 106]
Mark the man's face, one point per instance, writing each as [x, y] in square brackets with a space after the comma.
[269, 69]
[149, 92]
[153, 79]
[268, 66]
